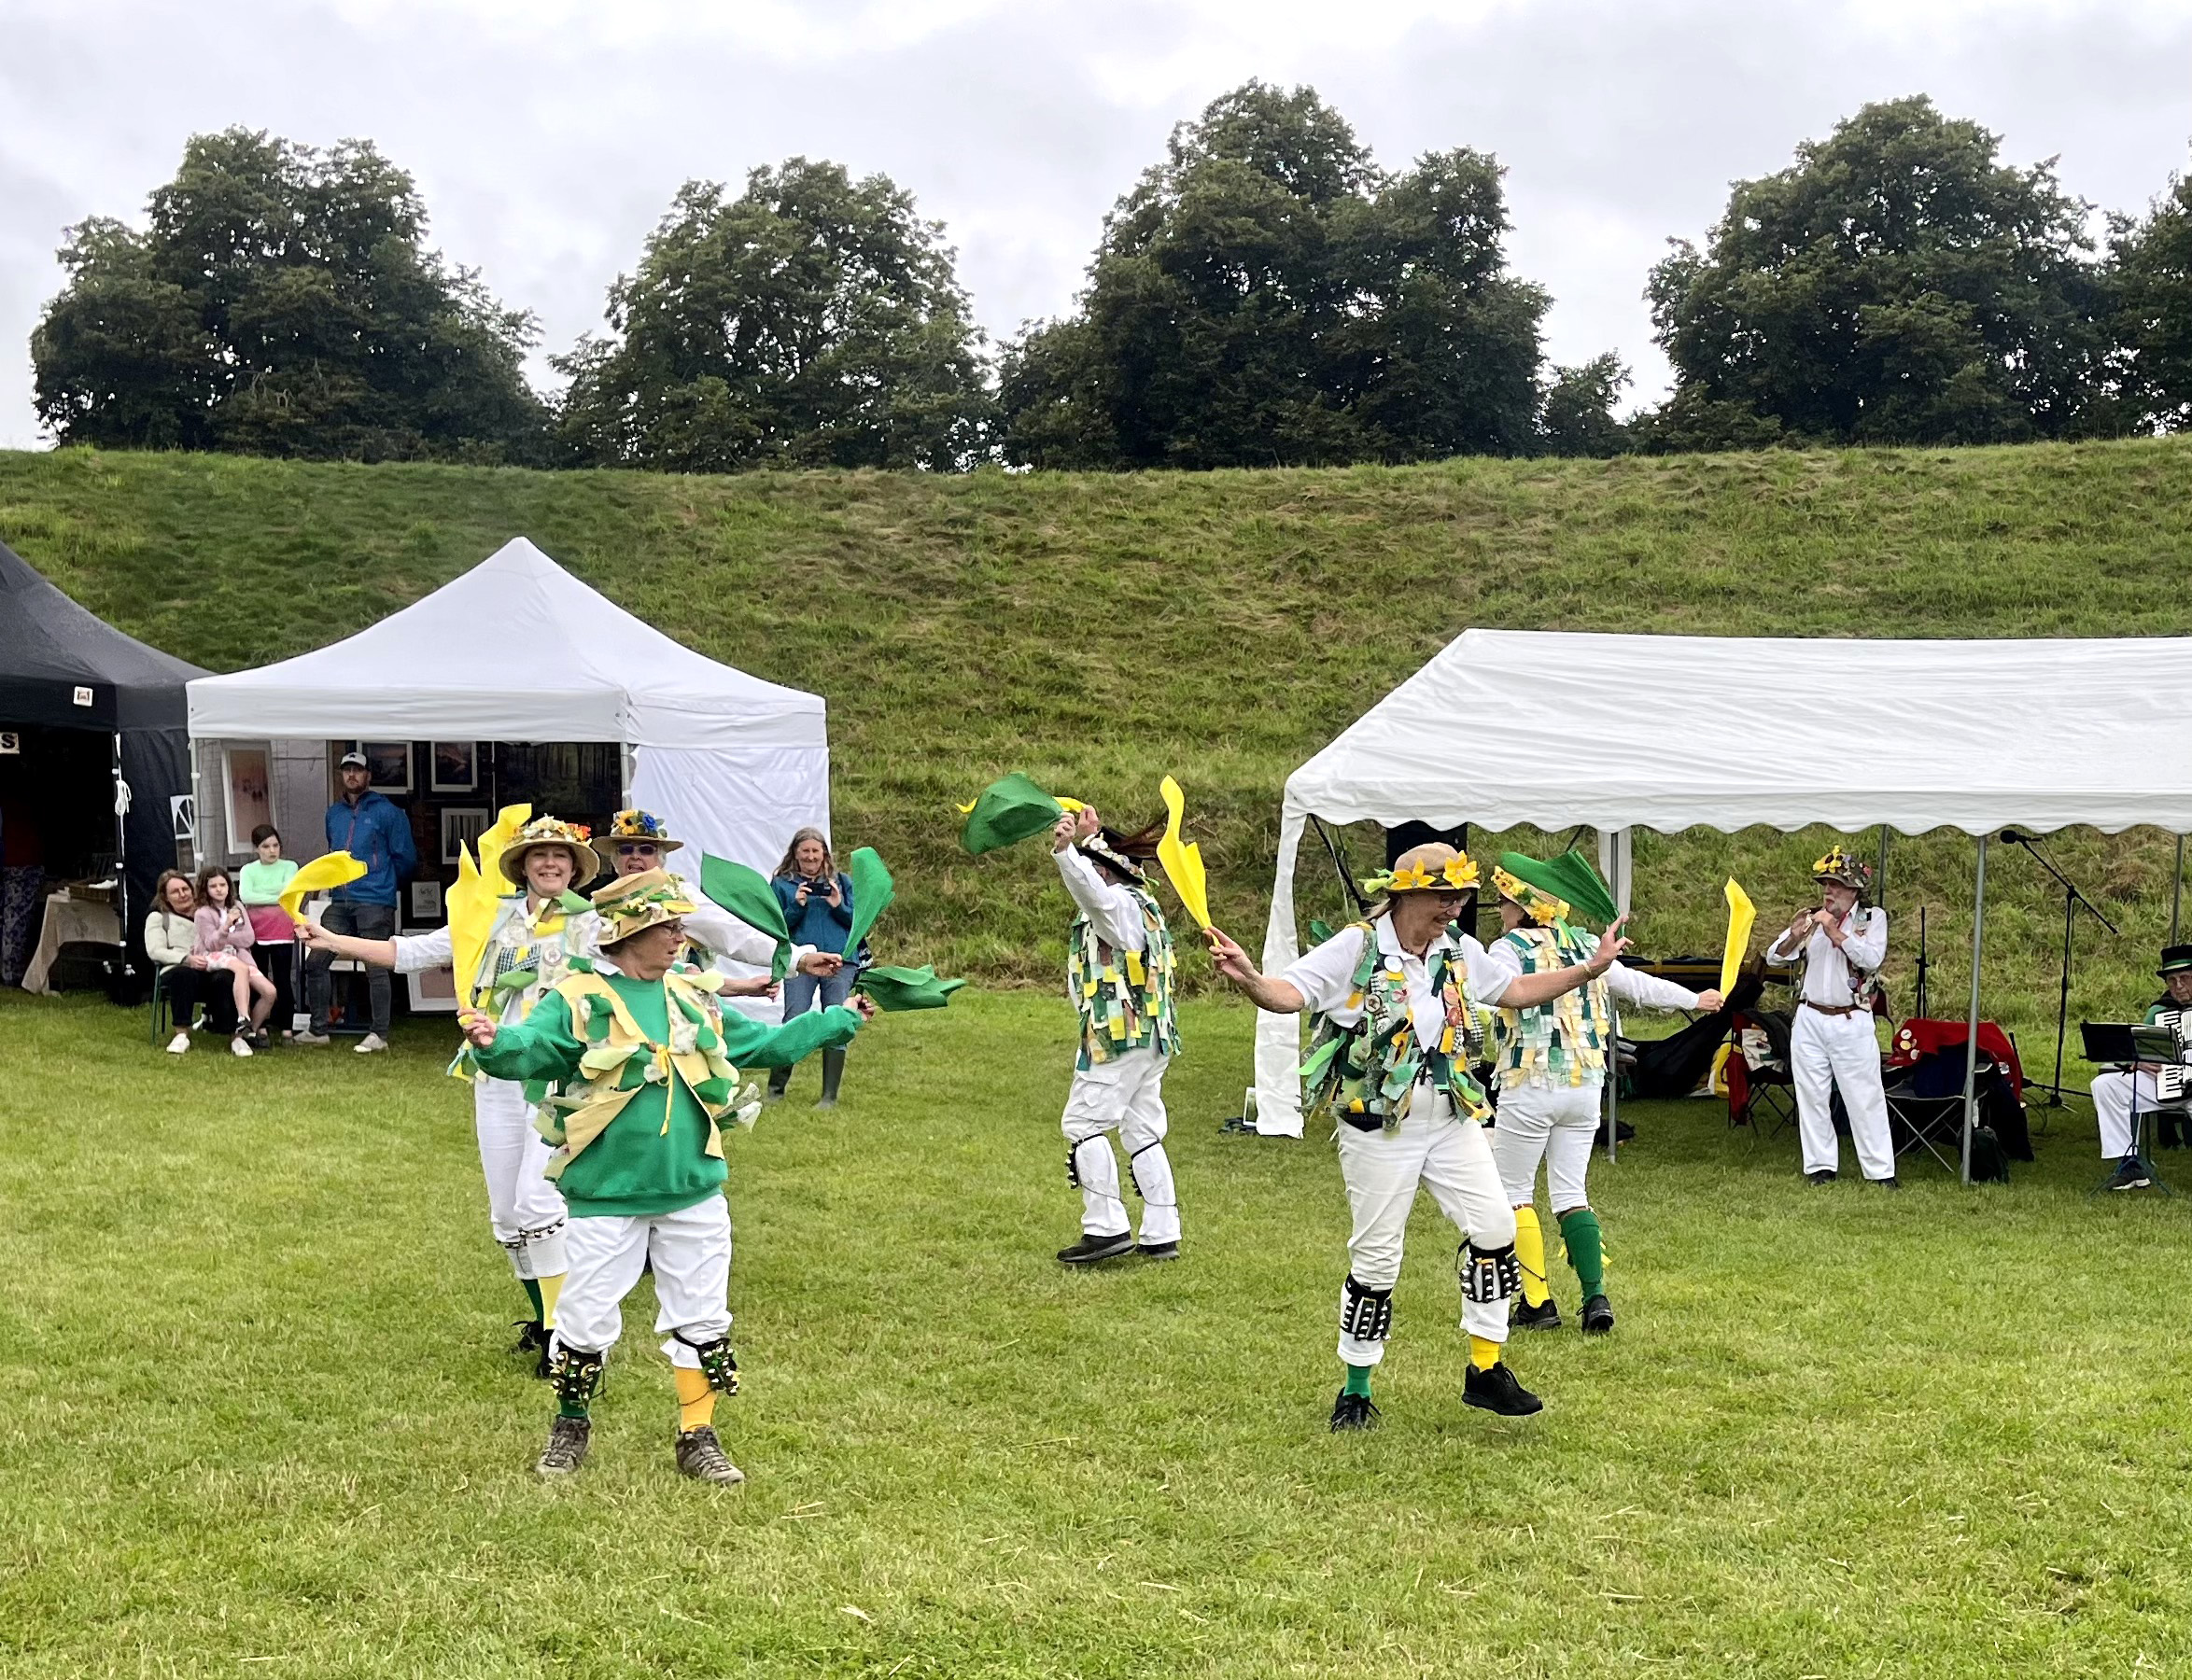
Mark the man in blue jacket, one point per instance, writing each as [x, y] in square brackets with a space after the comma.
[377, 835]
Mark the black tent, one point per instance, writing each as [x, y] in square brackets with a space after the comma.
[98, 720]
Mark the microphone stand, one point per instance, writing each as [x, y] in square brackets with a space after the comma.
[2071, 899]
[1922, 965]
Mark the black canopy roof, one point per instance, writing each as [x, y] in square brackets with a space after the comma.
[51, 650]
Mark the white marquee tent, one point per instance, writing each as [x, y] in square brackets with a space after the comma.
[1559, 730]
[518, 650]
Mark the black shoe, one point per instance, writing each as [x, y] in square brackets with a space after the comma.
[1353, 1411]
[1098, 1248]
[1597, 1316]
[1526, 1317]
[532, 1340]
[701, 1456]
[2130, 1174]
[1825, 1175]
[1155, 1251]
[1889, 1182]
[1496, 1391]
[566, 1446]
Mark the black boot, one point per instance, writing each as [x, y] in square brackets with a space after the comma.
[779, 1080]
[1597, 1316]
[701, 1456]
[567, 1439]
[1102, 1247]
[1353, 1411]
[1497, 1391]
[833, 1074]
[1545, 1316]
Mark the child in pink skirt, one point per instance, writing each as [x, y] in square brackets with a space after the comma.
[225, 940]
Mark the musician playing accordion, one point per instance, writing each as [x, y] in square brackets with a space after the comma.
[2121, 1095]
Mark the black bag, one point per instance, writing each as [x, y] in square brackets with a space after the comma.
[1989, 1162]
[84, 965]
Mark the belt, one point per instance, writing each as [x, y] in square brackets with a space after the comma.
[1832, 1009]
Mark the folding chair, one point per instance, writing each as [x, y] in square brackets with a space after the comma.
[1925, 1108]
[1760, 1087]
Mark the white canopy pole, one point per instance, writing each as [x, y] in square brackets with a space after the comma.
[2177, 890]
[1278, 1037]
[1619, 880]
[1971, 1047]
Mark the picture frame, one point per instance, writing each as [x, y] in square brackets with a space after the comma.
[182, 815]
[387, 765]
[426, 902]
[452, 766]
[247, 779]
[432, 991]
[462, 826]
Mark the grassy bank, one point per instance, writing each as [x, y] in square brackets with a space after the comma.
[1098, 631]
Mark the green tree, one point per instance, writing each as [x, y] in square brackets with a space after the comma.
[2154, 321]
[282, 301]
[1576, 416]
[812, 321]
[1896, 285]
[1267, 294]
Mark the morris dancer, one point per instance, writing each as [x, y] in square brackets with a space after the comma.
[2121, 1094]
[1120, 974]
[1550, 1064]
[1832, 1041]
[538, 932]
[1389, 1060]
[639, 1154]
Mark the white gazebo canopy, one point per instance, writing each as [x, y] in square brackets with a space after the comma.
[518, 650]
[1558, 730]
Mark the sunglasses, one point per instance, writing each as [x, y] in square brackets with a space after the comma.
[636, 851]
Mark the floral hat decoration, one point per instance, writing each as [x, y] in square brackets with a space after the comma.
[1435, 867]
[633, 903]
[1844, 869]
[628, 826]
[548, 831]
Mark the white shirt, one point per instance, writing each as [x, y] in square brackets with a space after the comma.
[1112, 911]
[1645, 991]
[1829, 970]
[1325, 977]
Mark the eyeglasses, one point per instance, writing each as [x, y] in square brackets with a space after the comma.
[642, 850]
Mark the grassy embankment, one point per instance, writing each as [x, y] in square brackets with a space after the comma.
[1098, 631]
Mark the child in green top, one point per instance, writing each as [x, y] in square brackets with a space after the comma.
[258, 889]
[640, 1062]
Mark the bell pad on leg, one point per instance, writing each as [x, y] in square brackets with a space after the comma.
[575, 1374]
[1489, 1275]
[716, 1362]
[1364, 1314]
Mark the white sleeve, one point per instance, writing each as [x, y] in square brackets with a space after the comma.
[1325, 976]
[1648, 991]
[1867, 948]
[1111, 910]
[725, 936]
[1504, 956]
[415, 952]
[1488, 976]
[1778, 958]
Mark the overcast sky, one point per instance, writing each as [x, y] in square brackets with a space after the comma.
[548, 136]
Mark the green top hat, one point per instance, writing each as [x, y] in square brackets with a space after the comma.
[1568, 876]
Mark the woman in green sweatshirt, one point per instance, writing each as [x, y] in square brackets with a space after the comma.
[641, 1064]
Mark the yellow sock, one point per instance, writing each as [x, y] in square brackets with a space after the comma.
[695, 1399]
[550, 1289]
[1482, 1354]
[1529, 1253]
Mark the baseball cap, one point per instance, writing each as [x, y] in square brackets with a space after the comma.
[355, 758]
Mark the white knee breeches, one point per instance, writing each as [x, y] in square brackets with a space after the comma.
[692, 1254]
[1826, 1051]
[1125, 1095]
[524, 1209]
[1555, 1124]
[1383, 1170]
[2114, 1097]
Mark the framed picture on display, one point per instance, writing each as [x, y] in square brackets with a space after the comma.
[426, 900]
[387, 763]
[433, 991]
[245, 773]
[462, 826]
[455, 766]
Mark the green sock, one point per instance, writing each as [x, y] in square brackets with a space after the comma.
[1586, 1249]
[533, 1294]
[1357, 1381]
[570, 1408]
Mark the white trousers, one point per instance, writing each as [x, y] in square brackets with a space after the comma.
[2112, 1106]
[525, 1210]
[1556, 1125]
[1826, 1051]
[1383, 1170]
[1125, 1095]
[691, 1250]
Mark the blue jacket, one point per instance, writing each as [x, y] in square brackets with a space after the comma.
[378, 835]
[817, 923]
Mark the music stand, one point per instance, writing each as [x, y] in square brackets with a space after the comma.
[2071, 899]
[2127, 1046]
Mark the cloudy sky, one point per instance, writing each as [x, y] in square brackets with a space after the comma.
[548, 136]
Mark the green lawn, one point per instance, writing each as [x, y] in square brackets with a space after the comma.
[259, 1421]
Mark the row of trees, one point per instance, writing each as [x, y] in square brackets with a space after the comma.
[1265, 294]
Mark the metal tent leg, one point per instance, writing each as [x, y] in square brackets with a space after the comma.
[1971, 1048]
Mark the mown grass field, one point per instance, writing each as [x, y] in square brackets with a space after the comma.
[259, 1421]
[1098, 631]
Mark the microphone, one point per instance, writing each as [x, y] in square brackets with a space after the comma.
[2012, 837]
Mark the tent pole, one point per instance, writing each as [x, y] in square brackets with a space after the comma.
[1618, 878]
[1970, 1044]
[2177, 890]
[1880, 875]
[624, 748]
[121, 849]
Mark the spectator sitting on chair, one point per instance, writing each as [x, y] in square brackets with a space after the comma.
[371, 829]
[224, 941]
[258, 885]
[2121, 1094]
[171, 941]
[818, 912]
